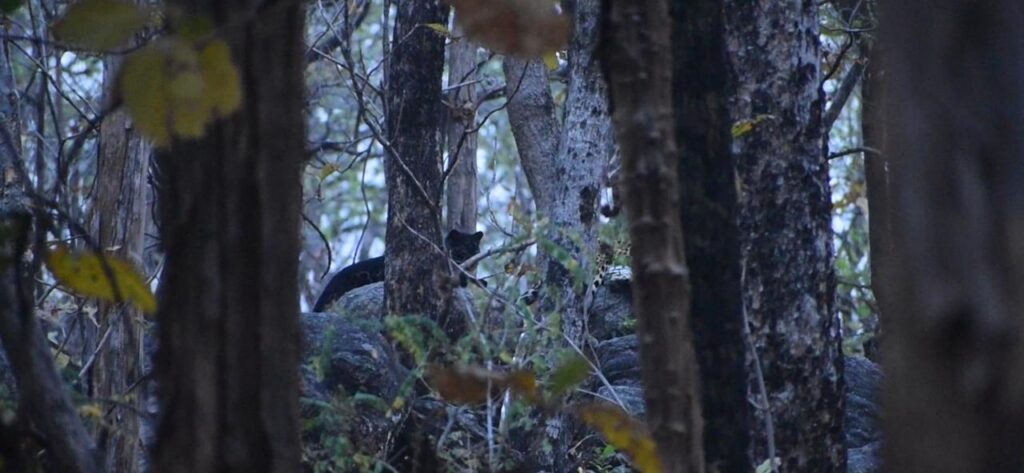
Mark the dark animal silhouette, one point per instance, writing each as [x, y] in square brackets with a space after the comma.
[460, 245]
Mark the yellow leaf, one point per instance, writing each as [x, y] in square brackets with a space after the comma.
[551, 60]
[223, 91]
[100, 25]
[145, 87]
[327, 170]
[83, 272]
[441, 29]
[90, 411]
[173, 90]
[742, 127]
[624, 433]
[189, 112]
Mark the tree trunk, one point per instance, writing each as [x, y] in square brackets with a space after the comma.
[785, 234]
[461, 134]
[417, 281]
[117, 223]
[638, 62]
[228, 301]
[41, 390]
[879, 184]
[563, 163]
[954, 348]
[709, 216]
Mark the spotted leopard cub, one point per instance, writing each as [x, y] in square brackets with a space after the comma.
[611, 263]
[611, 258]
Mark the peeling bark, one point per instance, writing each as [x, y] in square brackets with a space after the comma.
[785, 232]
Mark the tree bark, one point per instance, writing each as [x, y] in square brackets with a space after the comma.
[563, 163]
[117, 224]
[877, 170]
[229, 211]
[638, 63]
[709, 218]
[417, 281]
[461, 134]
[954, 348]
[785, 234]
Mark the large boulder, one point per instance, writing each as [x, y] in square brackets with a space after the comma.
[863, 388]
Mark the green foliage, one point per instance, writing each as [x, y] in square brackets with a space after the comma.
[10, 6]
[417, 335]
[326, 444]
[568, 375]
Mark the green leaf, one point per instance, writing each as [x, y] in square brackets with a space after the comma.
[10, 6]
[100, 25]
[569, 374]
[441, 29]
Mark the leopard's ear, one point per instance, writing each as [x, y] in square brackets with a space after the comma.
[478, 236]
[452, 234]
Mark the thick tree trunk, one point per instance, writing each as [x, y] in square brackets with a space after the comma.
[954, 348]
[638, 62]
[709, 216]
[785, 233]
[461, 134]
[228, 301]
[417, 281]
[117, 222]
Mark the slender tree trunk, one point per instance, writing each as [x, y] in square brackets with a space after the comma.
[638, 62]
[709, 216]
[228, 301]
[41, 390]
[417, 281]
[461, 135]
[785, 234]
[954, 348]
[117, 223]
[878, 174]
